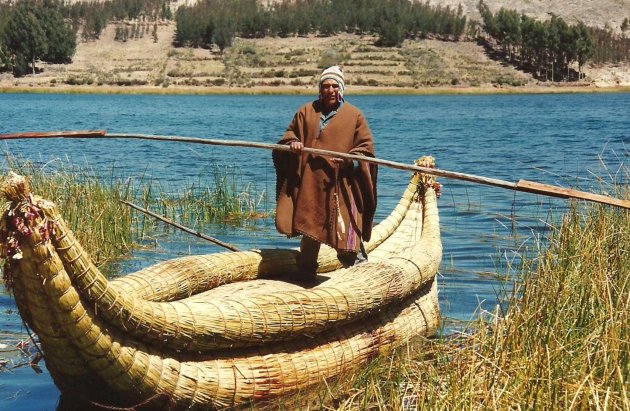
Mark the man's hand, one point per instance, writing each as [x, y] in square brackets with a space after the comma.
[296, 147]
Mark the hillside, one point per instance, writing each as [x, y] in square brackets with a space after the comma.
[592, 13]
[291, 64]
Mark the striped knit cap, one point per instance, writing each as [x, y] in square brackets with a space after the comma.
[334, 73]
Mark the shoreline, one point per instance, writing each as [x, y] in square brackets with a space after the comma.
[287, 90]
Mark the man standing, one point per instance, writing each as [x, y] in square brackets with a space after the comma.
[326, 200]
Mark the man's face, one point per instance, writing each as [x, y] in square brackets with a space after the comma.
[330, 93]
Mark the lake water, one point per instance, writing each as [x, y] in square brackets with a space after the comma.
[566, 139]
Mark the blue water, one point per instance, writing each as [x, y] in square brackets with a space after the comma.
[566, 140]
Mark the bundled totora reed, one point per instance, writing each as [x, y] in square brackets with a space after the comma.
[213, 331]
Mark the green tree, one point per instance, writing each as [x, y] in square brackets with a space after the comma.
[166, 13]
[253, 21]
[60, 37]
[364, 17]
[94, 23]
[557, 46]
[508, 29]
[303, 22]
[283, 21]
[191, 26]
[4, 52]
[24, 37]
[489, 23]
[540, 43]
[584, 45]
[392, 23]
[209, 29]
[224, 34]
[5, 60]
[460, 22]
[526, 40]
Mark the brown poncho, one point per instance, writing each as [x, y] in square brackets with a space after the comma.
[333, 204]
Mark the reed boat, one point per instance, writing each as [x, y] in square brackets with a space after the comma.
[224, 329]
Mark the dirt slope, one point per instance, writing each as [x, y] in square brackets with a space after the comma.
[592, 13]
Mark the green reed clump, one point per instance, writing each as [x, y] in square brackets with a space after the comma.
[90, 203]
[90, 207]
[562, 344]
[225, 199]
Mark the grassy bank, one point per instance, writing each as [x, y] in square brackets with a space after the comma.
[563, 343]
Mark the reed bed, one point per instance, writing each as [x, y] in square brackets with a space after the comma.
[107, 229]
[225, 199]
[90, 205]
[563, 343]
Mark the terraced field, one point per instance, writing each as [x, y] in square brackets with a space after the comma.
[151, 60]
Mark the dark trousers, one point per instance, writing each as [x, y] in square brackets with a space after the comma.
[307, 259]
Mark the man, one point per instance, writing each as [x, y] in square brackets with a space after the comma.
[326, 200]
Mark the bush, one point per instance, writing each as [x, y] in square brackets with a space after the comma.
[302, 72]
[329, 58]
[294, 53]
[248, 50]
[78, 81]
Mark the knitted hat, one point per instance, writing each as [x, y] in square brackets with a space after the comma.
[334, 73]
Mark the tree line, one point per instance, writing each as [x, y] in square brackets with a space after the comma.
[94, 16]
[34, 31]
[548, 49]
[611, 47]
[217, 22]
[46, 30]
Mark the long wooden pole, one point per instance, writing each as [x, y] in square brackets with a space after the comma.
[521, 185]
[181, 227]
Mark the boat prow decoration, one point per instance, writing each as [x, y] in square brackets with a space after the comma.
[217, 330]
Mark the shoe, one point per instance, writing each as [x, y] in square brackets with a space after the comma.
[347, 259]
[310, 279]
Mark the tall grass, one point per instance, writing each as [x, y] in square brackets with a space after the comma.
[90, 206]
[107, 229]
[224, 199]
[563, 343]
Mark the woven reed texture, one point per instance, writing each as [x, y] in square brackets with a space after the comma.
[200, 326]
[240, 376]
[63, 360]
